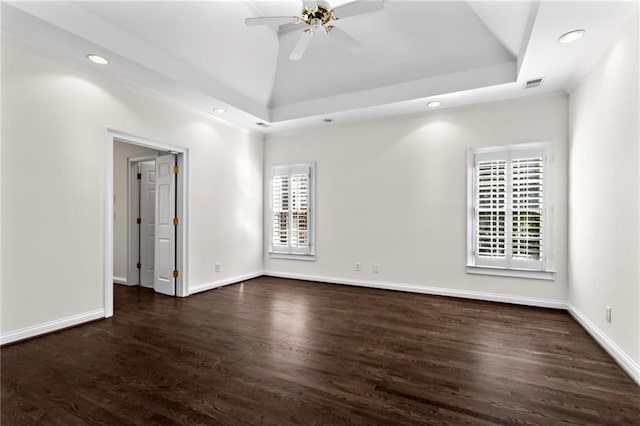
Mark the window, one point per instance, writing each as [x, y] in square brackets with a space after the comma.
[292, 210]
[509, 220]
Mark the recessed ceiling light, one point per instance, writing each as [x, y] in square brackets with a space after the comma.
[97, 59]
[220, 110]
[571, 36]
[433, 104]
[328, 120]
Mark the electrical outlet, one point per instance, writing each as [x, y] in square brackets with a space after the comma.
[608, 314]
[375, 268]
[358, 266]
[217, 267]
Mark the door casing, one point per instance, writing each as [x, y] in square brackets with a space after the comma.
[182, 234]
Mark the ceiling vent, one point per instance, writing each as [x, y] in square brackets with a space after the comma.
[262, 124]
[533, 83]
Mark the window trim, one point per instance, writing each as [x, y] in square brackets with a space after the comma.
[519, 269]
[279, 253]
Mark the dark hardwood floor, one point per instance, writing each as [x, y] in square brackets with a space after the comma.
[280, 352]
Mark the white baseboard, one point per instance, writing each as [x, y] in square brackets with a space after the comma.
[628, 365]
[226, 281]
[436, 291]
[120, 280]
[47, 327]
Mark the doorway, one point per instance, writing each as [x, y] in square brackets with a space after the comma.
[157, 218]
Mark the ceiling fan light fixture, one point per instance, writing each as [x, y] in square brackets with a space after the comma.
[434, 104]
[97, 59]
[571, 36]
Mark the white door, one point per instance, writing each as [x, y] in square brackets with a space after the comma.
[165, 233]
[147, 221]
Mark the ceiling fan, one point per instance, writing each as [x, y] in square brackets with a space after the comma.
[316, 15]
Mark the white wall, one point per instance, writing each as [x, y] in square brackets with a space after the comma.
[604, 198]
[393, 192]
[121, 152]
[53, 130]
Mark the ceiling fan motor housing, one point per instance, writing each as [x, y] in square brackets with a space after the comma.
[317, 16]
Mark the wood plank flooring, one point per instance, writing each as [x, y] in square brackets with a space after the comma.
[284, 352]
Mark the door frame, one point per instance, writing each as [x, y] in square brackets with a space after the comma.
[182, 234]
[133, 212]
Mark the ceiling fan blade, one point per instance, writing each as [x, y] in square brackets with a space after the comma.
[301, 46]
[352, 44]
[309, 4]
[270, 20]
[357, 7]
[288, 27]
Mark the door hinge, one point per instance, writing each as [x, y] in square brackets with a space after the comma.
[138, 221]
[175, 274]
[175, 221]
[176, 169]
[139, 176]
[139, 265]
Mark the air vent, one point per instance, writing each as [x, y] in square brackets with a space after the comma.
[262, 124]
[533, 83]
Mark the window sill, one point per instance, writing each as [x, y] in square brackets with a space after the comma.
[516, 273]
[307, 257]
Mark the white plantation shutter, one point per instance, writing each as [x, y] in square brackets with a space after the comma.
[300, 210]
[491, 182]
[527, 175]
[509, 228]
[291, 209]
[280, 202]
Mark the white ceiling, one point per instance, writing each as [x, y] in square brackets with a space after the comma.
[405, 42]
[203, 55]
